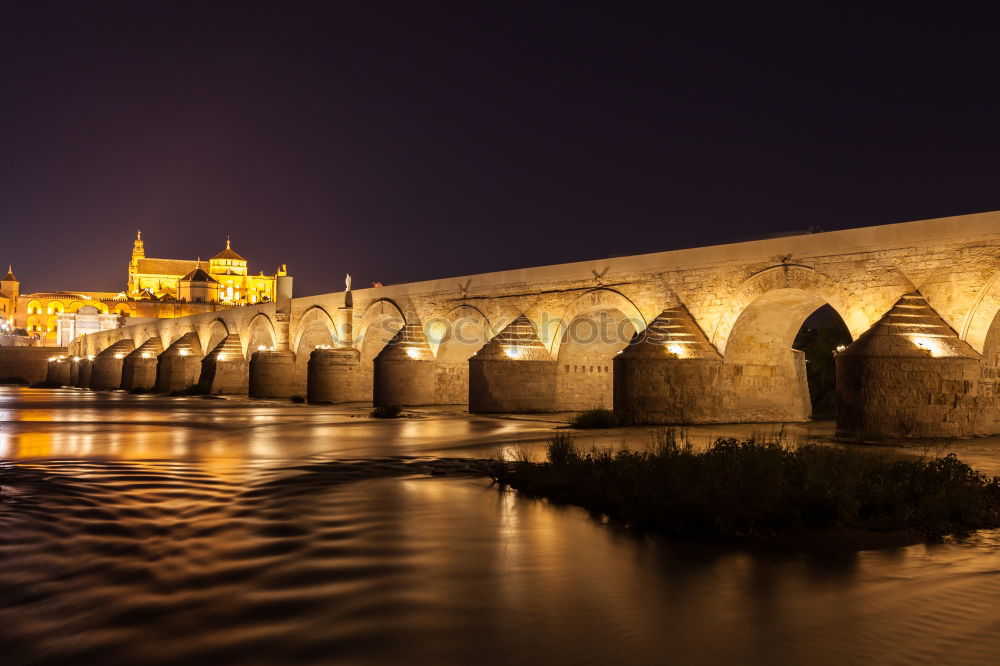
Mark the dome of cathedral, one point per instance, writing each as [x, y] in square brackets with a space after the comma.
[199, 275]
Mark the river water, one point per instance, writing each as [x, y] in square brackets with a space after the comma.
[144, 530]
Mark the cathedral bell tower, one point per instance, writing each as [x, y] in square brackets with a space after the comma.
[138, 252]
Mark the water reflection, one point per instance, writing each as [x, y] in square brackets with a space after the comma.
[247, 534]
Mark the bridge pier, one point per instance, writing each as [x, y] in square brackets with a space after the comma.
[139, 367]
[179, 366]
[404, 370]
[275, 374]
[59, 371]
[86, 365]
[752, 393]
[911, 376]
[451, 383]
[107, 371]
[513, 373]
[224, 371]
[334, 375]
[669, 373]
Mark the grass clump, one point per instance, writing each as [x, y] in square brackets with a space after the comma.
[297, 399]
[385, 412]
[750, 490]
[595, 418]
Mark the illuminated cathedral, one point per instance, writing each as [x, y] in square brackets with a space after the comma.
[224, 279]
[156, 289]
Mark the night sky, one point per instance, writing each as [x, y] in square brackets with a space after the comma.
[411, 140]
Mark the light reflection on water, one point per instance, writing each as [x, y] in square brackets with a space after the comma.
[145, 530]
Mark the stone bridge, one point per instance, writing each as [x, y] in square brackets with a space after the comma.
[690, 336]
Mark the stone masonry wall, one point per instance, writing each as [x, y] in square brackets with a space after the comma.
[28, 363]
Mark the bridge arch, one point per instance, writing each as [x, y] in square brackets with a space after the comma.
[175, 330]
[454, 338]
[804, 285]
[980, 319]
[140, 334]
[594, 327]
[459, 334]
[381, 321]
[764, 377]
[315, 327]
[589, 304]
[259, 333]
[212, 334]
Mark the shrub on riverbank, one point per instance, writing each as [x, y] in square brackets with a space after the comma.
[385, 412]
[595, 418]
[753, 490]
[15, 381]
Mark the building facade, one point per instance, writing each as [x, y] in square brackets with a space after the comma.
[225, 279]
[156, 289]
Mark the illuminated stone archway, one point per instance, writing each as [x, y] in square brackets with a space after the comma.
[213, 334]
[380, 322]
[762, 377]
[982, 315]
[453, 339]
[596, 326]
[260, 335]
[224, 369]
[858, 315]
[316, 328]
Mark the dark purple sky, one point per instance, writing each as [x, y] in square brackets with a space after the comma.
[410, 140]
